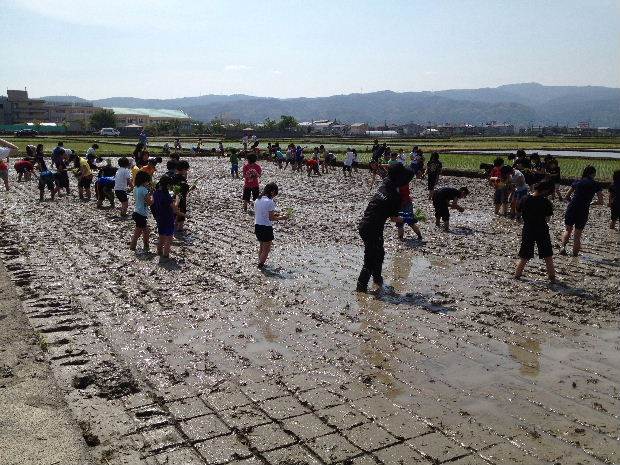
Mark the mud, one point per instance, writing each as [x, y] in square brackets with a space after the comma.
[213, 361]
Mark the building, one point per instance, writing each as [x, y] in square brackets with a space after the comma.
[149, 117]
[18, 108]
[358, 129]
[382, 133]
[76, 114]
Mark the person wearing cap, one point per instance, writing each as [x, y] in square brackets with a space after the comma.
[384, 205]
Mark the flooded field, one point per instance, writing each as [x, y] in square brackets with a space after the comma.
[212, 361]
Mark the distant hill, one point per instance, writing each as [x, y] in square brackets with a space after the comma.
[520, 104]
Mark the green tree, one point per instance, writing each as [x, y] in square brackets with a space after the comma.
[287, 123]
[217, 127]
[199, 127]
[103, 119]
[269, 124]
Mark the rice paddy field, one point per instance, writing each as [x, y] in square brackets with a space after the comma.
[470, 162]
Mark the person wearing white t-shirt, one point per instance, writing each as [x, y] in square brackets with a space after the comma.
[264, 215]
[122, 182]
[347, 166]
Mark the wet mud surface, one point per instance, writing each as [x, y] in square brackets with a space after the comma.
[209, 360]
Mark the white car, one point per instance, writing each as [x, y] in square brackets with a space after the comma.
[109, 132]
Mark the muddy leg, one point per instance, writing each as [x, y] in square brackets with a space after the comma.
[550, 268]
[565, 238]
[577, 241]
[520, 267]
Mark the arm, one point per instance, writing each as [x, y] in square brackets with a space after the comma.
[277, 216]
[569, 194]
[455, 205]
[148, 199]
[397, 219]
[175, 208]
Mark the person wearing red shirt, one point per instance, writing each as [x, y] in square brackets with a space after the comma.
[251, 177]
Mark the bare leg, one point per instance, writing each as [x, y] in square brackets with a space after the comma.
[521, 266]
[577, 241]
[417, 231]
[137, 232]
[265, 249]
[550, 268]
[145, 238]
[566, 238]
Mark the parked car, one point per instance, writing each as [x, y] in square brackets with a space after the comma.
[109, 132]
[26, 133]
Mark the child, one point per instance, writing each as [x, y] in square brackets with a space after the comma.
[220, 149]
[406, 213]
[552, 169]
[348, 162]
[394, 159]
[325, 160]
[165, 209]
[355, 160]
[234, 164]
[536, 209]
[313, 164]
[578, 209]
[4, 168]
[251, 177]
[496, 170]
[383, 205]
[180, 179]
[46, 179]
[502, 190]
[6, 149]
[280, 157]
[85, 177]
[444, 199]
[142, 200]
[122, 182]
[614, 199]
[265, 214]
[519, 193]
[434, 170]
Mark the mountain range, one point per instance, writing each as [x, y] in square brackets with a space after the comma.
[518, 104]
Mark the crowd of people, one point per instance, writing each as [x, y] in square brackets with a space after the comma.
[521, 191]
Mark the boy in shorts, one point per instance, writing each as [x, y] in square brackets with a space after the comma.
[444, 199]
[535, 210]
[251, 179]
[122, 182]
[46, 179]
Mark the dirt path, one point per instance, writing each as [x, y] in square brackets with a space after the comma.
[215, 362]
[36, 427]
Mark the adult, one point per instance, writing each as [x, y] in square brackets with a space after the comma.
[383, 205]
[579, 198]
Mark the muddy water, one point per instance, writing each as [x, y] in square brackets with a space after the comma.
[457, 360]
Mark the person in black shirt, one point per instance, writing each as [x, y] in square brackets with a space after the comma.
[552, 168]
[383, 205]
[535, 209]
[444, 199]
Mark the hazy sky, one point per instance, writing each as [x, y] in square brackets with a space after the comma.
[164, 49]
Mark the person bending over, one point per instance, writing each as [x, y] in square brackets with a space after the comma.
[383, 205]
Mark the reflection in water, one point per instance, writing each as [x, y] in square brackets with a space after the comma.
[526, 352]
[264, 314]
[376, 347]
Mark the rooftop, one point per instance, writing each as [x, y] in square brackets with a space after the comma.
[150, 112]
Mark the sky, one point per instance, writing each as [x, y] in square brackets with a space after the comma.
[280, 48]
